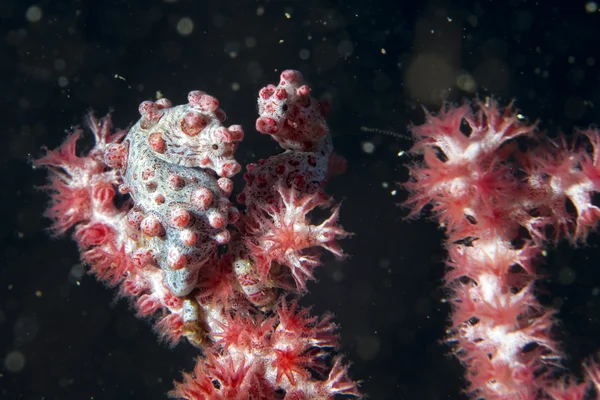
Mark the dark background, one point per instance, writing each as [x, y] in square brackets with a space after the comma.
[63, 335]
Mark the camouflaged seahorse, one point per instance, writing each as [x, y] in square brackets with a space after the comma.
[169, 161]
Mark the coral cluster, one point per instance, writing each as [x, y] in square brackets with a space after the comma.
[151, 212]
[502, 203]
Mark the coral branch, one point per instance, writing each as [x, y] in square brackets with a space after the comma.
[171, 172]
[486, 193]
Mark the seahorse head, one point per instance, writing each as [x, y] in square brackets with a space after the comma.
[191, 135]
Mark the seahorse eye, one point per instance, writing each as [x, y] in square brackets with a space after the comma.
[215, 147]
[284, 107]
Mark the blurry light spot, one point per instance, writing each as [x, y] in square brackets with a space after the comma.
[382, 51]
[219, 20]
[250, 42]
[558, 302]
[566, 276]
[368, 347]
[591, 6]
[472, 20]
[429, 77]
[466, 82]
[235, 86]
[59, 64]
[185, 26]
[304, 54]
[338, 275]
[260, 11]
[63, 81]
[368, 147]
[14, 361]
[232, 49]
[24, 102]
[345, 48]
[76, 272]
[33, 14]
[254, 70]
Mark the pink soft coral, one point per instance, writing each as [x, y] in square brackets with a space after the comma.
[463, 174]
[159, 242]
[283, 234]
[500, 208]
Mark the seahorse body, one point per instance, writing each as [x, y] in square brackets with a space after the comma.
[169, 161]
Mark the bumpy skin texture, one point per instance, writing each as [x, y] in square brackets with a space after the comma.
[296, 121]
[158, 242]
[290, 115]
[181, 211]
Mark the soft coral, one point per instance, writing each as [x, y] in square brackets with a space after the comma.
[563, 170]
[464, 175]
[282, 233]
